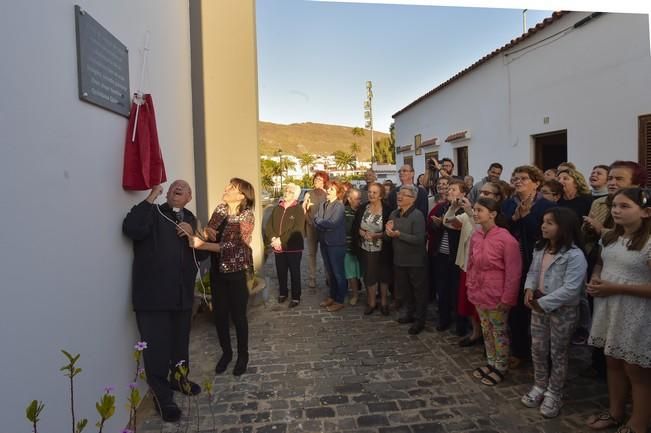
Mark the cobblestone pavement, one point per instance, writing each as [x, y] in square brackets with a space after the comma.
[314, 371]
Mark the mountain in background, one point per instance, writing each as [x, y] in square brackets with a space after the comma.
[314, 138]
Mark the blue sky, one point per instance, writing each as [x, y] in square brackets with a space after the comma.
[314, 58]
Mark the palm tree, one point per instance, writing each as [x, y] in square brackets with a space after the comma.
[344, 161]
[306, 160]
[269, 169]
[358, 132]
[354, 150]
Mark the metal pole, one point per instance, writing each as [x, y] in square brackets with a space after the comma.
[524, 21]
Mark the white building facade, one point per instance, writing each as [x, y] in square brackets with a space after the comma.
[576, 87]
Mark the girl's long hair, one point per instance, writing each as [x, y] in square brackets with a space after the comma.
[641, 235]
[493, 206]
[569, 230]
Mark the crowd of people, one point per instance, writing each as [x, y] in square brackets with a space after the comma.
[528, 267]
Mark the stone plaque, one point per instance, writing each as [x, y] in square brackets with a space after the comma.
[102, 65]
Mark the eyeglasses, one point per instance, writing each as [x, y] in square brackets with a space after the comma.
[482, 192]
[403, 194]
[404, 170]
[521, 178]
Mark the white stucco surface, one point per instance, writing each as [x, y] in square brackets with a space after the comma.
[65, 264]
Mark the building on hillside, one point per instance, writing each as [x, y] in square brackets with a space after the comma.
[575, 87]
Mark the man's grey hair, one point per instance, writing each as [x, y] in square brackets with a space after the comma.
[294, 188]
[411, 188]
[353, 190]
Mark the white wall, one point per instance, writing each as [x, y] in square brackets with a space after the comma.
[595, 81]
[65, 264]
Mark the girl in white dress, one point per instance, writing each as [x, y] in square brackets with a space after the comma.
[621, 285]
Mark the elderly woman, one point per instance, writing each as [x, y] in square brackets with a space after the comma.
[285, 230]
[229, 233]
[524, 214]
[374, 252]
[329, 223]
[311, 203]
[406, 229]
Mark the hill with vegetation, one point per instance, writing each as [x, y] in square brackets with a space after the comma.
[316, 138]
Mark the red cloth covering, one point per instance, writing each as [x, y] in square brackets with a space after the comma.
[143, 160]
[465, 308]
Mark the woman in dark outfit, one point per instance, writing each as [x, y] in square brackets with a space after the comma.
[229, 232]
[285, 231]
[524, 214]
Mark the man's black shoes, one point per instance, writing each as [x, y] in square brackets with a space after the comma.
[187, 387]
[405, 319]
[170, 412]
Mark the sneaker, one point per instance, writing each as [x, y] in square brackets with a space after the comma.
[534, 397]
[327, 302]
[335, 306]
[551, 405]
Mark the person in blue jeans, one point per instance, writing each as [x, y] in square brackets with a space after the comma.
[329, 222]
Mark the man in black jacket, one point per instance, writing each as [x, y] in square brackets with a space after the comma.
[163, 279]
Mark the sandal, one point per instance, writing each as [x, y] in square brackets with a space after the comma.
[493, 378]
[481, 372]
[605, 419]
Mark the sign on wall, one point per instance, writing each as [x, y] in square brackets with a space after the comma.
[102, 65]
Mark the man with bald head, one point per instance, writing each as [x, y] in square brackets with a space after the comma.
[163, 279]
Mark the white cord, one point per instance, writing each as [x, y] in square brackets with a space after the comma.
[194, 255]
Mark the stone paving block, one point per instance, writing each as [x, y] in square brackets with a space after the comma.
[333, 399]
[312, 371]
[272, 428]
[427, 428]
[388, 406]
[319, 412]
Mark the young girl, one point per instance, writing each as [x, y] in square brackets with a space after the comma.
[621, 285]
[494, 270]
[553, 289]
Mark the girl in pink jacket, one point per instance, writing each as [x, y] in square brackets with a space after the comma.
[493, 280]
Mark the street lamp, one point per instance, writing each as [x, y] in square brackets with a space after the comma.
[280, 162]
[368, 116]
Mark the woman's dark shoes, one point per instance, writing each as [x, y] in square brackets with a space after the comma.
[442, 327]
[294, 303]
[369, 310]
[240, 365]
[384, 309]
[468, 341]
[405, 319]
[223, 362]
[282, 299]
[170, 412]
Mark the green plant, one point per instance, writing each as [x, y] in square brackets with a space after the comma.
[32, 412]
[71, 371]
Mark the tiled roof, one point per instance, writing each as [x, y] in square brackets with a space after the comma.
[456, 136]
[533, 30]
